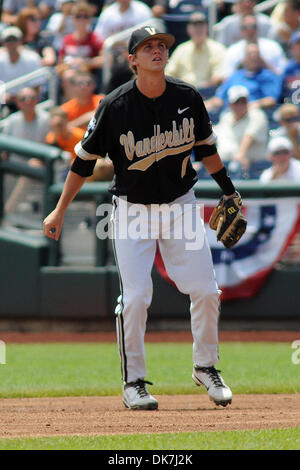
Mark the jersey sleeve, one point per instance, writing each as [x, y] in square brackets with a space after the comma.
[95, 140]
[205, 138]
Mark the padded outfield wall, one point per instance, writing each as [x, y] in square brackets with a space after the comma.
[34, 284]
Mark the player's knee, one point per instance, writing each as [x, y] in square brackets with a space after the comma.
[210, 301]
[140, 295]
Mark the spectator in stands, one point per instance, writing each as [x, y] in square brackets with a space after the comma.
[61, 135]
[158, 7]
[61, 23]
[30, 123]
[284, 166]
[291, 73]
[198, 61]
[264, 86]
[285, 21]
[288, 115]
[119, 70]
[83, 46]
[29, 22]
[242, 131]
[11, 8]
[228, 31]
[121, 15]
[272, 54]
[81, 109]
[97, 6]
[67, 88]
[176, 16]
[16, 61]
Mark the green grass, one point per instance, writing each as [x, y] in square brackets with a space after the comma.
[36, 370]
[43, 370]
[271, 439]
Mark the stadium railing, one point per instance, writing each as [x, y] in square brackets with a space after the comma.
[45, 77]
[28, 149]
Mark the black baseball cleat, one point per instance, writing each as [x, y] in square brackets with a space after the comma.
[137, 397]
[216, 388]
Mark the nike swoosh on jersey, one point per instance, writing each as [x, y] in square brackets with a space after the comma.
[180, 111]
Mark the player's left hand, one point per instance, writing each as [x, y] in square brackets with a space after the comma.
[228, 221]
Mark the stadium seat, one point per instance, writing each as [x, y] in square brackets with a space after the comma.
[256, 168]
[207, 92]
[234, 169]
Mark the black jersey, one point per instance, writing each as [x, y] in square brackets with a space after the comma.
[150, 140]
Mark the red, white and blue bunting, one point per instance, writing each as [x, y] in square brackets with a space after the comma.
[242, 270]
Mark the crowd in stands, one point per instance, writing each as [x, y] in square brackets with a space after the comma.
[246, 66]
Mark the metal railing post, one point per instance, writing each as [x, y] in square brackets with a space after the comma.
[101, 245]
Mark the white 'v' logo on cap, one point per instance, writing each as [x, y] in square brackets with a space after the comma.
[151, 30]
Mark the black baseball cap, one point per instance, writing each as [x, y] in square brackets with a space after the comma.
[146, 32]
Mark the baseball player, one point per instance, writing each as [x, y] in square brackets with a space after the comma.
[149, 127]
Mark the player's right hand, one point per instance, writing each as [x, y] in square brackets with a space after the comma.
[53, 224]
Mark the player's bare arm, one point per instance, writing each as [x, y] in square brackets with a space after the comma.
[54, 221]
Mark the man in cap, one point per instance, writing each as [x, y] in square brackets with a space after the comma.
[149, 127]
[288, 116]
[16, 61]
[198, 61]
[242, 131]
[284, 166]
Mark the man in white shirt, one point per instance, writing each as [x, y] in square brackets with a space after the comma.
[121, 15]
[198, 61]
[242, 131]
[30, 124]
[284, 166]
[228, 30]
[16, 61]
[270, 51]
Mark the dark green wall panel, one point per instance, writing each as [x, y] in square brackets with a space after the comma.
[74, 292]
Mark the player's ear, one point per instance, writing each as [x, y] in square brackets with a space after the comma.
[132, 59]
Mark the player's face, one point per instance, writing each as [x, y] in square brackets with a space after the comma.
[151, 56]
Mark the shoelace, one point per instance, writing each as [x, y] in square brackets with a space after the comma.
[139, 385]
[213, 374]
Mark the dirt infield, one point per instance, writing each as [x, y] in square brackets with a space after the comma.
[162, 336]
[34, 417]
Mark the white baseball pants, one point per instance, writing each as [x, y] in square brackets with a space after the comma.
[135, 237]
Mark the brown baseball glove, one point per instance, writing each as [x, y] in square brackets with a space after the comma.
[228, 221]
